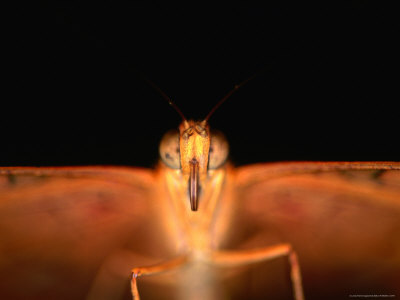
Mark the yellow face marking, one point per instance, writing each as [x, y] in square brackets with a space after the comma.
[194, 149]
[194, 145]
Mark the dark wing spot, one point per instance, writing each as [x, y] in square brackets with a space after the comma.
[376, 174]
[12, 179]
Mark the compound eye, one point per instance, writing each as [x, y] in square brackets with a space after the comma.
[219, 150]
[169, 149]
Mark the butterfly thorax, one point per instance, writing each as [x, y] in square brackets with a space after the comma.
[195, 228]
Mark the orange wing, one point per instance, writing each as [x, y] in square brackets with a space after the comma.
[58, 227]
[343, 220]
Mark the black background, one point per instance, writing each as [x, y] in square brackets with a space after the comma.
[74, 92]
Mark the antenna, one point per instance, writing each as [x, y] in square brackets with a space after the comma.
[237, 86]
[170, 102]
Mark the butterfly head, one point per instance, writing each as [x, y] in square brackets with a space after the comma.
[194, 150]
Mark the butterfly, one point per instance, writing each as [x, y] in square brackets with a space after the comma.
[198, 228]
